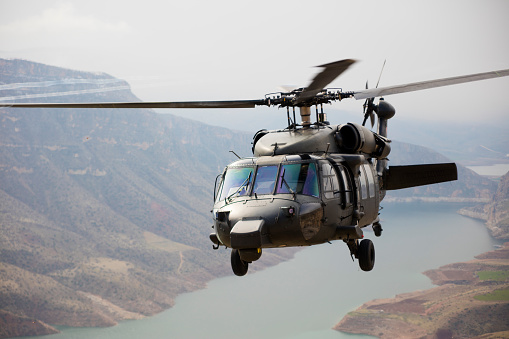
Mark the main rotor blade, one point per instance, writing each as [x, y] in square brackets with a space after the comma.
[325, 77]
[418, 86]
[182, 104]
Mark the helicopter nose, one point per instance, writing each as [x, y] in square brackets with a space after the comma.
[249, 234]
[278, 226]
[258, 223]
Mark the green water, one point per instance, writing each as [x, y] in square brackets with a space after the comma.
[306, 296]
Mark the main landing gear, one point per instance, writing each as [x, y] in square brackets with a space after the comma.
[364, 252]
[366, 255]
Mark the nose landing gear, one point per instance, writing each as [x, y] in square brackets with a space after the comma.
[239, 266]
[241, 258]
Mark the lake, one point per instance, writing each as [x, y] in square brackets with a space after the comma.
[496, 170]
[306, 296]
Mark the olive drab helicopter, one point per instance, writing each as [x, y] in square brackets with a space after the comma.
[311, 182]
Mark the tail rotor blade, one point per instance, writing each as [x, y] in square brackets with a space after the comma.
[372, 118]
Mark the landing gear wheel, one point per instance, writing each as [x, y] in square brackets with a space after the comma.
[377, 228]
[366, 255]
[239, 266]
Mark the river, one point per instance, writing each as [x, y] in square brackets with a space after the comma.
[306, 296]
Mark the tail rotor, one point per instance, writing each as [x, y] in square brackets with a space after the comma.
[369, 108]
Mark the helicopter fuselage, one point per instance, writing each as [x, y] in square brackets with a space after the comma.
[295, 198]
[310, 185]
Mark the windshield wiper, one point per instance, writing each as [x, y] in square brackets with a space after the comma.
[244, 184]
[283, 181]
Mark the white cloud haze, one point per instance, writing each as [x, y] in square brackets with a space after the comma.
[225, 49]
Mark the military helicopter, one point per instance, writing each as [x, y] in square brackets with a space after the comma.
[311, 182]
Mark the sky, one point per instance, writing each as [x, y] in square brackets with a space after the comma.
[225, 49]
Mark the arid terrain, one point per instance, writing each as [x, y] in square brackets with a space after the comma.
[104, 215]
[471, 300]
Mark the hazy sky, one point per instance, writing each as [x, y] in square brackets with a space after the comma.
[214, 50]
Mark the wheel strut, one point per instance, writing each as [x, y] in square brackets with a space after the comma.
[377, 228]
[363, 251]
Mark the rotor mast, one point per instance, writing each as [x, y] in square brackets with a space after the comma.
[305, 115]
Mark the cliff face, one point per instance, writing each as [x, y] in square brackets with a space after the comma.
[496, 212]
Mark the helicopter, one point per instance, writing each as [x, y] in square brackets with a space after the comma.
[311, 182]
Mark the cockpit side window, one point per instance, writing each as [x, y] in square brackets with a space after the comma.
[237, 182]
[330, 182]
[298, 179]
[265, 179]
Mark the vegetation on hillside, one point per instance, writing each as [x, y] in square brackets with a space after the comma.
[104, 214]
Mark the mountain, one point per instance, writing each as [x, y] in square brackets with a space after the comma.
[469, 187]
[496, 212]
[104, 214]
[481, 143]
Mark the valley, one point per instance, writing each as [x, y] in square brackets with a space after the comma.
[104, 214]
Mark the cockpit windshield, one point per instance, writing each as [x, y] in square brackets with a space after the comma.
[265, 180]
[237, 182]
[295, 178]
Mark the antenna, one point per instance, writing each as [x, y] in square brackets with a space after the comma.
[235, 154]
[380, 76]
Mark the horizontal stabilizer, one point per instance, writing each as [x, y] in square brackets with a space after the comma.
[398, 177]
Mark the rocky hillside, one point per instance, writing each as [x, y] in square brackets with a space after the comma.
[496, 212]
[469, 187]
[104, 214]
[471, 301]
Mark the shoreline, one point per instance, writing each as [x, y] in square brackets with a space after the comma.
[461, 304]
[470, 299]
[435, 199]
[291, 256]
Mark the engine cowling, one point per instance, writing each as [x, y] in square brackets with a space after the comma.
[354, 138]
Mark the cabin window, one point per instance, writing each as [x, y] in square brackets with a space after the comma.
[265, 179]
[330, 182]
[298, 179]
[363, 183]
[371, 180]
[237, 182]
